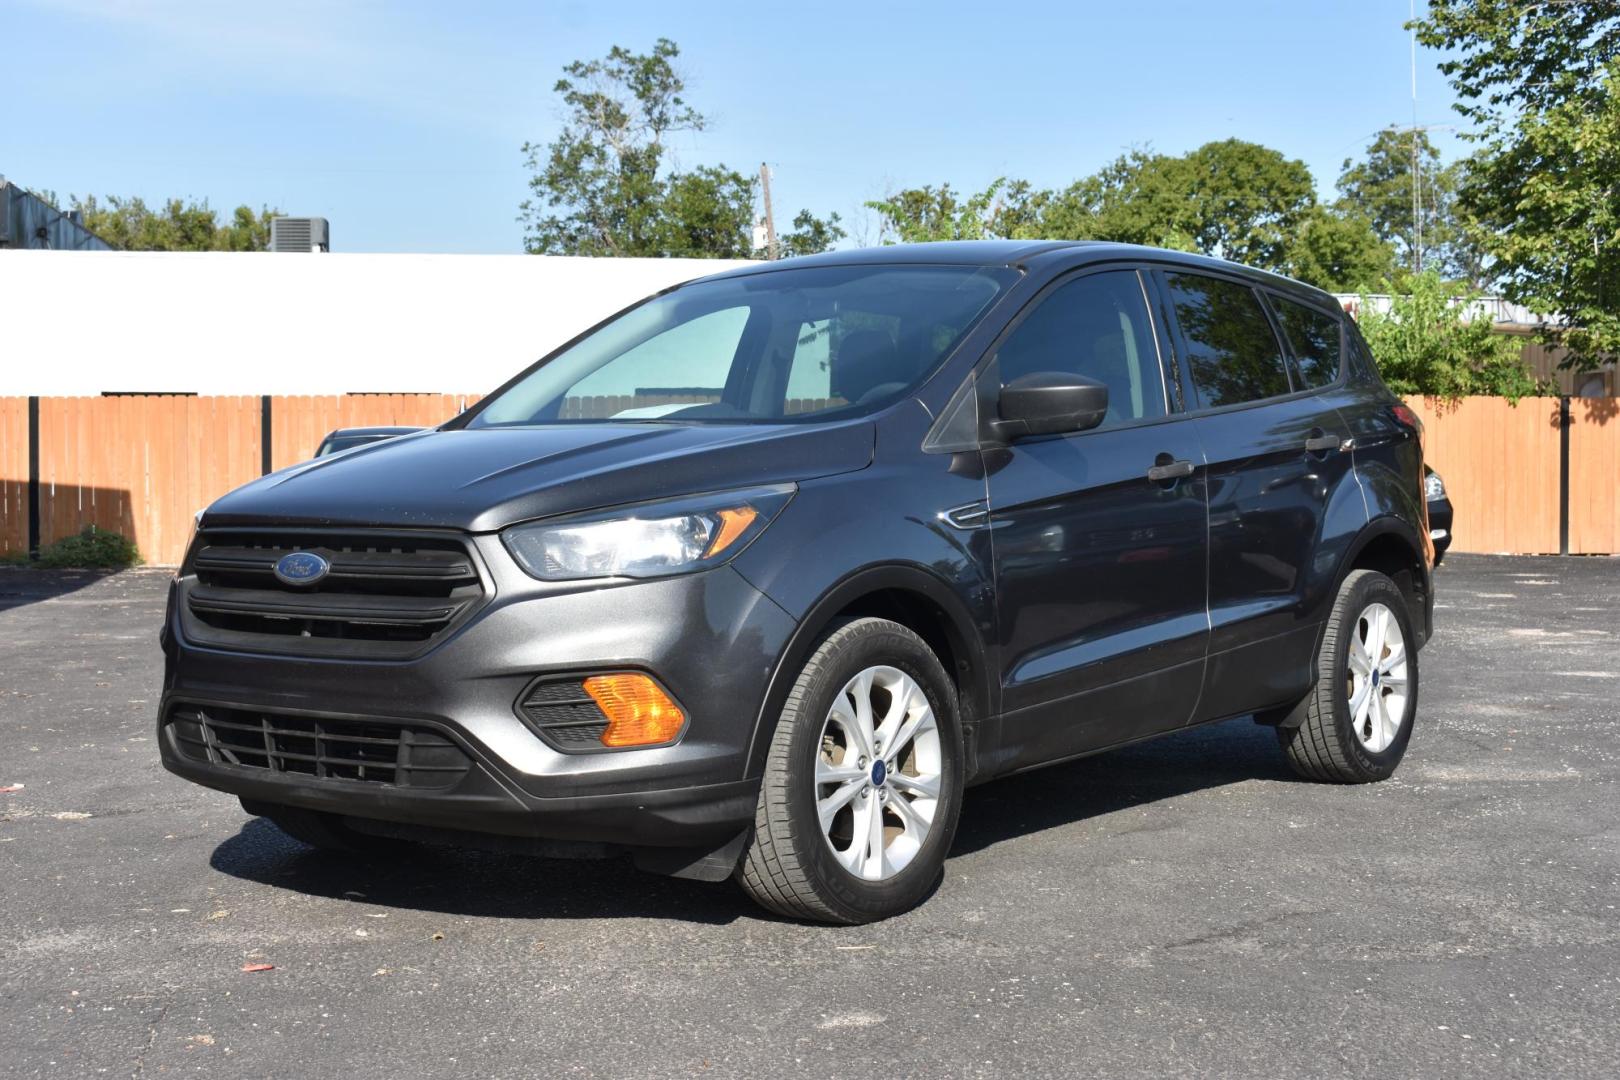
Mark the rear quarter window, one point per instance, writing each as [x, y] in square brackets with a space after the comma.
[1314, 338]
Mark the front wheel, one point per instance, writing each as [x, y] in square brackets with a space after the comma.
[1359, 717]
[863, 783]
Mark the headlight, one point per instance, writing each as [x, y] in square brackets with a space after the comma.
[1434, 489]
[647, 540]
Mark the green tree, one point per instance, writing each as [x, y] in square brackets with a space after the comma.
[603, 185]
[1426, 344]
[1338, 249]
[811, 235]
[918, 215]
[1249, 201]
[1379, 187]
[1234, 199]
[1540, 82]
[705, 213]
[1138, 198]
[130, 225]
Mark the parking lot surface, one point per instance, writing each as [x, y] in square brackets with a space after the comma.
[1182, 907]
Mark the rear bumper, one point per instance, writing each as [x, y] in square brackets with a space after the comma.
[710, 638]
[1440, 515]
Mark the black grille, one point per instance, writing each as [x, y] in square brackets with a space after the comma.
[387, 596]
[370, 751]
[565, 714]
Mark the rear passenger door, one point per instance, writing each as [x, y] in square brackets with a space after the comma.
[1276, 454]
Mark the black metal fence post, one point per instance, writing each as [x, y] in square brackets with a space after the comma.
[33, 477]
[264, 434]
[1563, 476]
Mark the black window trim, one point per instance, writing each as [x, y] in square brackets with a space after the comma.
[1179, 342]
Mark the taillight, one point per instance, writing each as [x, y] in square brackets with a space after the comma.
[1408, 419]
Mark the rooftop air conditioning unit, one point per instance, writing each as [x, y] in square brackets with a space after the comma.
[299, 234]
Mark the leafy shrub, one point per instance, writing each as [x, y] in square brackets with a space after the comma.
[92, 549]
[1426, 344]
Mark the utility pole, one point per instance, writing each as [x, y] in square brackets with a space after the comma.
[1417, 165]
[770, 218]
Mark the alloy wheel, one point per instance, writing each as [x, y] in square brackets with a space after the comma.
[878, 773]
[1376, 678]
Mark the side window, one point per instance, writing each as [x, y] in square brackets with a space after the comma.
[1231, 351]
[1314, 337]
[702, 350]
[1095, 326]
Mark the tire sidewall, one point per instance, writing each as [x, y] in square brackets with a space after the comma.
[881, 645]
[1366, 590]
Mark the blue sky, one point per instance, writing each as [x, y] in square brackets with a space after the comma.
[402, 122]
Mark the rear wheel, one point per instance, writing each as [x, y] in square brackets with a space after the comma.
[1359, 717]
[863, 782]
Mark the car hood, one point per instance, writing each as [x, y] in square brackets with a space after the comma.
[484, 479]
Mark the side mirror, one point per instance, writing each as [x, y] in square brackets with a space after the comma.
[1049, 403]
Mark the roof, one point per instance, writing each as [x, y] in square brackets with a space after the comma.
[939, 253]
[1018, 252]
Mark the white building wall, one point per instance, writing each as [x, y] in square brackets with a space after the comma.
[74, 323]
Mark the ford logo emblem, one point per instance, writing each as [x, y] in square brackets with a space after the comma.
[301, 568]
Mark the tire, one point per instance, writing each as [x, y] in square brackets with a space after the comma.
[793, 866]
[1333, 743]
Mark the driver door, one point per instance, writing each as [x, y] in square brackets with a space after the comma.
[1101, 569]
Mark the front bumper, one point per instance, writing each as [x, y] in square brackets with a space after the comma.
[711, 638]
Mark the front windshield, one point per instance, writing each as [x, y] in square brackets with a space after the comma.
[789, 345]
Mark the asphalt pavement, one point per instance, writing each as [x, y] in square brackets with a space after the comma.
[1183, 907]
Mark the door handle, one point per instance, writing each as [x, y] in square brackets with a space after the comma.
[1166, 469]
[1320, 442]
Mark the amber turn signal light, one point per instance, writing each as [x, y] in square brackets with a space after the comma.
[733, 523]
[639, 712]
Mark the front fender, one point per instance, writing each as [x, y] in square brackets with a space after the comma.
[882, 532]
[974, 673]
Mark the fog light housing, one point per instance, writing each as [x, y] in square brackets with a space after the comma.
[639, 712]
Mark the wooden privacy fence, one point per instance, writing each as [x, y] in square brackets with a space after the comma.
[1593, 475]
[1500, 464]
[13, 474]
[1538, 477]
[297, 424]
[144, 465]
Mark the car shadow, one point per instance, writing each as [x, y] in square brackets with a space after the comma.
[461, 881]
[456, 881]
[1209, 756]
[22, 585]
